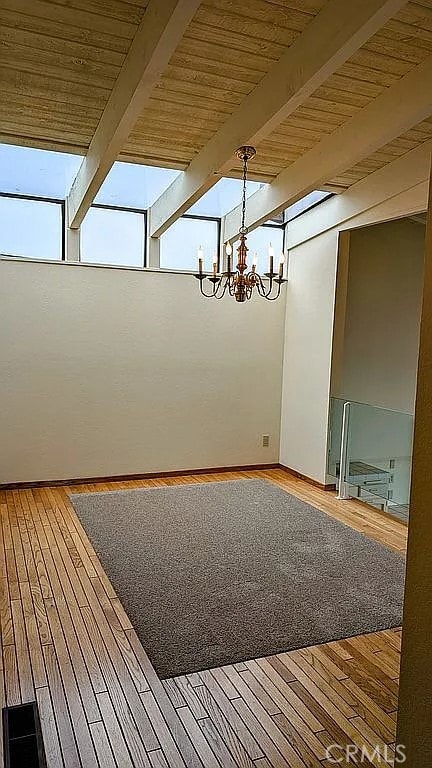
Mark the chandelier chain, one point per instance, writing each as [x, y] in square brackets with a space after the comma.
[243, 217]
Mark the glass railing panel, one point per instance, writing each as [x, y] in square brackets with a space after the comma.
[380, 502]
[377, 468]
[379, 451]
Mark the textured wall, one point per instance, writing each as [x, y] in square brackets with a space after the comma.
[110, 371]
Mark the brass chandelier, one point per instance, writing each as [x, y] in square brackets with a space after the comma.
[242, 282]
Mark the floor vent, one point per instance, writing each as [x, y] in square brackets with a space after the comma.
[23, 745]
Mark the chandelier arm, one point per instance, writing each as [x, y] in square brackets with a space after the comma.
[268, 294]
[263, 292]
[273, 298]
[224, 289]
[207, 295]
[260, 285]
[216, 286]
[218, 298]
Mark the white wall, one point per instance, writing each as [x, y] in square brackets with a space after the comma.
[109, 371]
[382, 321]
[307, 357]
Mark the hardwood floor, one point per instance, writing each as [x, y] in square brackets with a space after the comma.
[66, 642]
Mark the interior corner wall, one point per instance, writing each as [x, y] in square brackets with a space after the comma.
[109, 371]
[378, 364]
[307, 355]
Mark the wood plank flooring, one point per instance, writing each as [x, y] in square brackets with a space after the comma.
[67, 642]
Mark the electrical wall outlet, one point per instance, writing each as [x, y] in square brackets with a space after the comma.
[265, 441]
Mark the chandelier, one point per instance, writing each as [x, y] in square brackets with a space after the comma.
[242, 282]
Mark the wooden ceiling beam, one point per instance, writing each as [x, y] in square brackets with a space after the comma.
[157, 37]
[329, 40]
[398, 109]
[402, 174]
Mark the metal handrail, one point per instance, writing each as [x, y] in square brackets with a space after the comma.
[343, 486]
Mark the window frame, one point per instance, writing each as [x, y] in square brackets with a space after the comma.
[143, 212]
[281, 226]
[37, 198]
[310, 208]
[218, 221]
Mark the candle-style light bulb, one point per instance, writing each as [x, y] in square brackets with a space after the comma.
[271, 257]
[281, 264]
[228, 251]
[255, 261]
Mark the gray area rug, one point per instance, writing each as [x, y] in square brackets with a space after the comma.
[216, 573]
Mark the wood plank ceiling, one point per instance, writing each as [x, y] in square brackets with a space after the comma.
[58, 64]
